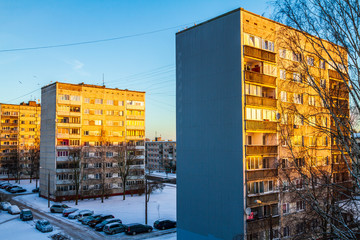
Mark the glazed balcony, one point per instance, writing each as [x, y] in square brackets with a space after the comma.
[253, 175]
[263, 223]
[261, 149]
[261, 126]
[259, 53]
[266, 199]
[335, 75]
[339, 93]
[256, 77]
[260, 101]
[135, 117]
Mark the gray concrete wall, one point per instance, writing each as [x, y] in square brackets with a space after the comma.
[47, 140]
[210, 194]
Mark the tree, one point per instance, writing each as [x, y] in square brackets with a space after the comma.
[75, 162]
[325, 36]
[126, 158]
[33, 154]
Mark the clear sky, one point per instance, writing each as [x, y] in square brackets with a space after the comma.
[144, 62]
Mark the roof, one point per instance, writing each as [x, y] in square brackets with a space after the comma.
[91, 86]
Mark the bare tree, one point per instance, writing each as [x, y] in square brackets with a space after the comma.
[126, 158]
[75, 161]
[324, 172]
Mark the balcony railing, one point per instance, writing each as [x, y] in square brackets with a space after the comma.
[261, 174]
[259, 53]
[261, 125]
[261, 150]
[339, 93]
[334, 74]
[265, 199]
[263, 223]
[260, 101]
[260, 78]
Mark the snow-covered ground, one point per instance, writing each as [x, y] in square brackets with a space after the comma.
[11, 227]
[162, 204]
[24, 184]
[162, 174]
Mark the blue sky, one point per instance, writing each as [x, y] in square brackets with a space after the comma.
[144, 63]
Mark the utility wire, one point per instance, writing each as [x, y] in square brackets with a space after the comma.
[92, 41]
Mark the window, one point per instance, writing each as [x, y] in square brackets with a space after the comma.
[300, 228]
[282, 74]
[98, 122]
[298, 184]
[255, 187]
[312, 141]
[254, 163]
[324, 141]
[298, 98]
[300, 205]
[253, 90]
[64, 97]
[74, 98]
[297, 77]
[98, 112]
[282, 53]
[286, 231]
[268, 45]
[298, 140]
[283, 96]
[98, 101]
[285, 184]
[253, 114]
[310, 61]
[285, 208]
[300, 162]
[269, 115]
[323, 83]
[86, 100]
[312, 100]
[322, 64]
[296, 57]
[284, 163]
[269, 69]
[323, 121]
[298, 120]
[110, 102]
[312, 120]
[86, 111]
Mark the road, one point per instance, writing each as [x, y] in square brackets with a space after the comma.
[75, 231]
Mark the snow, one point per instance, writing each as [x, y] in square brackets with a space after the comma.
[15, 229]
[162, 174]
[162, 204]
[24, 184]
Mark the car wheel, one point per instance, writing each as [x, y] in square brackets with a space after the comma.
[52, 210]
[150, 229]
[163, 228]
[134, 233]
[112, 232]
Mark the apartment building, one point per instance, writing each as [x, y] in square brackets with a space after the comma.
[20, 135]
[160, 155]
[92, 121]
[241, 101]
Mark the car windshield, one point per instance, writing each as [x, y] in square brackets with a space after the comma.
[27, 212]
[45, 223]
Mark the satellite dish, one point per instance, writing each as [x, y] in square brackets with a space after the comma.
[248, 211]
[278, 116]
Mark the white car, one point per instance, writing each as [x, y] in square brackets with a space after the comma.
[13, 209]
[5, 205]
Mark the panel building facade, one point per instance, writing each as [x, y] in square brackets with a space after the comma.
[160, 155]
[20, 138]
[94, 121]
[241, 101]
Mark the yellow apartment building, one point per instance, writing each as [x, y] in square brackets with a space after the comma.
[20, 134]
[90, 118]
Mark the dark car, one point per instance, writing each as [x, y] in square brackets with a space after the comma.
[8, 188]
[100, 226]
[26, 214]
[135, 228]
[58, 208]
[4, 185]
[163, 224]
[99, 219]
[89, 218]
[36, 190]
[17, 190]
[113, 228]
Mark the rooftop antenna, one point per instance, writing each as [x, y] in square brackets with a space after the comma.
[103, 80]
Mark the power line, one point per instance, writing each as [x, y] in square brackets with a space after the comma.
[92, 41]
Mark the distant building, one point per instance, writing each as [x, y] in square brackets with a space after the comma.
[160, 155]
[20, 135]
[95, 120]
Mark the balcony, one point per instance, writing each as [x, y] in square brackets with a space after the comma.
[260, 101]
[133, 117]
[260, 78]
[263, 223]
[254, 175]
[339, 93]
[135, 107]
[259, 53]
[335, 75]
[263, 126]
[131, 127]
[266, 199]
[261, 149]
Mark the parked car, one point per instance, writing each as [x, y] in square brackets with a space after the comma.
[135, 228]
[8, 187]
[13, 209]
[99, 219]
[36, 190]
[84, 214]
[100, 226]
[26, 214]
[5, 205]
[4, 185]
[17, 190]
[163, 224]
[58, 208]
[113, 228]
[43, 225]
[75, 214]
[68, 211]
[87, 219]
